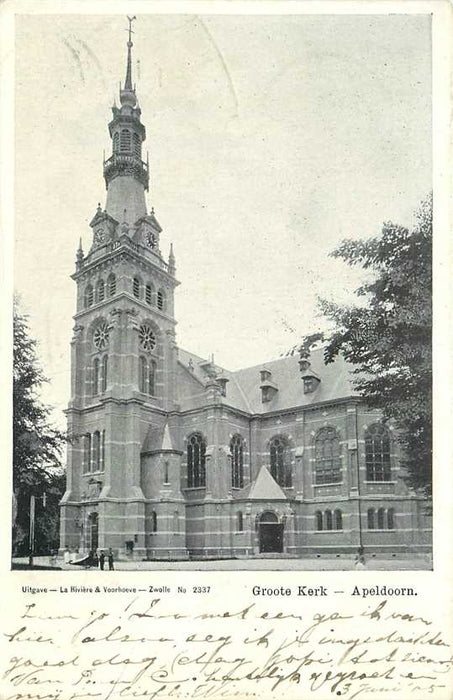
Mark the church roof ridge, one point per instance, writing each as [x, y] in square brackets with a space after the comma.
[268, 364]
[244, 391]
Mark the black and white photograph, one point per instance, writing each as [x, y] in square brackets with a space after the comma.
[225, 346]
[222, 277]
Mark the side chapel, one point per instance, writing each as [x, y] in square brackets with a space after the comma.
[175, 457]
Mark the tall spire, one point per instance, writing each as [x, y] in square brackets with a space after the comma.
[126, 175]
[128, 81]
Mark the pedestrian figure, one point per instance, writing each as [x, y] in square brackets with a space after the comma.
[95, 559]
[89, 559]
[101, 560]
[359, 562]
[110, 559]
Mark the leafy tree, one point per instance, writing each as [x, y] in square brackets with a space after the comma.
[37, 446]
[387, 337]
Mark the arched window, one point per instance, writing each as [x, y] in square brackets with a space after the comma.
[161, 300]
[96, 451]
[151, 378]
[142, 374]
[87, 453]
[102, 461]
[318, 518]
[377, 453]
[381, 519]
[391, 519]
[136, 287]
[95, 376]
[89, 296]
[125, 140]
[239, 521]
[111, 282]
[327, 457]
[196, 461]
[280, 467]
[149, 294]
[338, 520]
[137, 145]
[268, 517]
[154, 521]
[100, 290]
[116, 142]
[237, 462]
[104, 373]
[328, 517]
[146, 376]
[166, 476]
[370, 519]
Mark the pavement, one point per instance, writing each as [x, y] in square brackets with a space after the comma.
[324, 564]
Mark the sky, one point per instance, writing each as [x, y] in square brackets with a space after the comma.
[271, 138]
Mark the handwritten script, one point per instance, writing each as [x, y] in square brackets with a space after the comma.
[146, 646]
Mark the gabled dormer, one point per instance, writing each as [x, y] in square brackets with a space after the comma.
[147, 232]
[310, 379]
[104, 229]
[268, 387]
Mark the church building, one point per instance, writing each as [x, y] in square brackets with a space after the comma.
[174, 457]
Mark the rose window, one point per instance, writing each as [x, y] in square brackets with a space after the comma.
[101, 336]
[147, 338]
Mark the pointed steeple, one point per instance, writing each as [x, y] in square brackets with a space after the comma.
[126, 175]
[79, 256]
[128, 81]
[166, 439]
[171, 261]
[127, 95]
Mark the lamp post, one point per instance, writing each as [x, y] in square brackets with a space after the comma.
[31, 546]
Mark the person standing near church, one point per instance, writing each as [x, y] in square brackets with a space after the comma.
[101, 560]
[110, 559]
[359, 562]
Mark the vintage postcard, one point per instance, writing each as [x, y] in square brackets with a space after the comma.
[228, 474]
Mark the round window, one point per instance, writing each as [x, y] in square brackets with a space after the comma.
[147, 338]
[101, 336]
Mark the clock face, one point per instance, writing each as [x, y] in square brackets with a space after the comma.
[99, 236]
[150, 239]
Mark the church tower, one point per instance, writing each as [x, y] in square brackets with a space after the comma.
[123, 357]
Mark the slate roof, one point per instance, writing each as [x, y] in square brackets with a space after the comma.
[185, 357]
[158, 438]
[263, 488]
[166, 439]
[243, 389]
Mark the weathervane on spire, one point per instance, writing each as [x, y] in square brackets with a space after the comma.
[130, 30]
[128, 81]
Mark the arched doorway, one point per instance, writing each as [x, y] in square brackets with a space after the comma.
[270, 532]
[93, 531]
